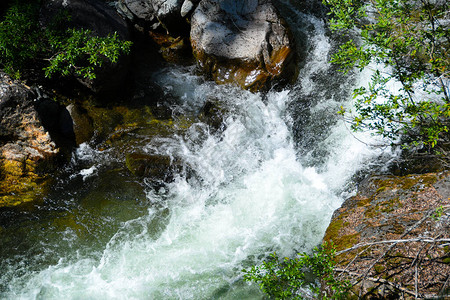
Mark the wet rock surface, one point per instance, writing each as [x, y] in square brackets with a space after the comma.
[393, 231]
[25, 144]
[246, 43]
[122, 129]
[159, 169]
[173, 49]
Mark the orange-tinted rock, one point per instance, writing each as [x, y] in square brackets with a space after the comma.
[247, 44]
[172, 49]
[24, 144]
[82, 124]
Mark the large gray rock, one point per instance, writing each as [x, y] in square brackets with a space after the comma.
[165, 14]
[102, 20]
[243, 42]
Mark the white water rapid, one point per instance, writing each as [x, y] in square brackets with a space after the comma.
[269, 181]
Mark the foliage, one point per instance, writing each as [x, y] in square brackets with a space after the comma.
[81, 52]
[20, 38]
[408, 43]
[438, 213]
[24, 44]
[297, 278]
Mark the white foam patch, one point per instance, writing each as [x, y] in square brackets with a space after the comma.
[88, 172]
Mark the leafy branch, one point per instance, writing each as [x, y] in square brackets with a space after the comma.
[24, 44]
[297, 278]
[407, 42]
[82, 52]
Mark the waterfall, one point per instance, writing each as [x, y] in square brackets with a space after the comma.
[269, 180]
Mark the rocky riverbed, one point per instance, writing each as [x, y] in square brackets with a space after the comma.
[132, 148]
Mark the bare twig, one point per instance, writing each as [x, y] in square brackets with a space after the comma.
[416, 288]
[443, 287]
[425, 240]
[378, 280]
[356, 257]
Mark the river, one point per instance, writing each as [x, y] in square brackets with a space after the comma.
[268, 181]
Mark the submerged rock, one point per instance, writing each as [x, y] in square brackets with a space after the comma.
[213, 114]
[157, 169]
[26, 143]
[102, 20]
[153, 166]
[387, 223]
[123, 130]
[245, 43]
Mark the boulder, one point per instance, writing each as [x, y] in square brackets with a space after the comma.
[25, 144]
[82, 123]
[165, 22]
[166, 15]
[102, 20]
[391, 236]
[243, 42]
[188, 7]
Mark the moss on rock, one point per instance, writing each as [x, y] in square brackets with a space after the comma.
[20, 183]
[392, 208]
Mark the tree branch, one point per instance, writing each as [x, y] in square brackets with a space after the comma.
[425, 240]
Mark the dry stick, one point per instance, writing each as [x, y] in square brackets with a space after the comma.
[425, 240]
[417, 255]
[414, 263]
[383, 255]
[394, 243]
[378, 280]
[416, 289]
[443, 287]
[356, 256]
[430, 212]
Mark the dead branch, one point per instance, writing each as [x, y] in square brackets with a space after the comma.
[425, 240]
[378, 280]
[411, 269]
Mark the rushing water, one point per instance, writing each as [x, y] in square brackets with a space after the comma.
[268, 181]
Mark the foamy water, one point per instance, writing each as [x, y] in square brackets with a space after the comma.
[252, 192]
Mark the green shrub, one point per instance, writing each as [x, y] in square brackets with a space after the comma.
[20, 38]
[24, 44]
[299, 277]
[81, 53]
